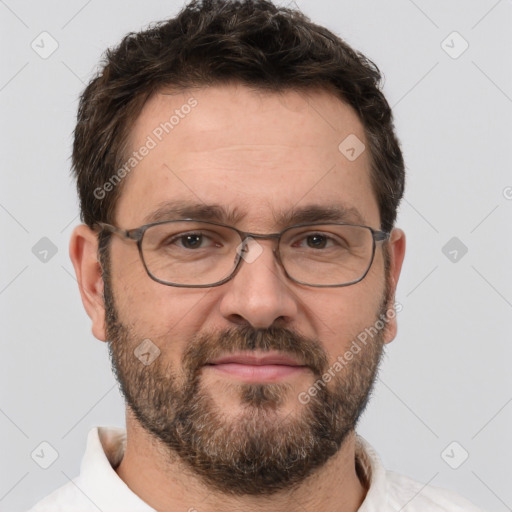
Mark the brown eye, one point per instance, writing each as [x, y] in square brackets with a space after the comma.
[316, 241]
[191, 241]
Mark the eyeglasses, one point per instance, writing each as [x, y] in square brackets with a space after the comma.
[197, 254]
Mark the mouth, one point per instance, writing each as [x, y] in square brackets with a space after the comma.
[254, 367]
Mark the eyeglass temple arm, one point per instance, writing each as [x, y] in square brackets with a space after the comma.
[133, 234]
[381, 236]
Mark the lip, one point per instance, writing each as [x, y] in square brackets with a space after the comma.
[263, 367]
[257, 359]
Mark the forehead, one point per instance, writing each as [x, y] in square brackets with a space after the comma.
[262, 155]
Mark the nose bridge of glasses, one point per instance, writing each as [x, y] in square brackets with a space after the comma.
[261, 236]
[251, 247]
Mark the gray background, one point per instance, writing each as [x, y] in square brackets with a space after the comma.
[447, 375]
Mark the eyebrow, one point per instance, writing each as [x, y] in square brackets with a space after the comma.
[179, 209]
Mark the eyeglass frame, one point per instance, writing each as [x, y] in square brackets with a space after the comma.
[137, 234]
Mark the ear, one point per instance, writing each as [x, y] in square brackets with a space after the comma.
[396, 248]
[83, 251]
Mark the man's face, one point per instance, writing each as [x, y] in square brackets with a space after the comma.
[261, 157]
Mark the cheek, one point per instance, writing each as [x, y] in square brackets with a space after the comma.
[169, 316]
[165, 314]
[346, 313]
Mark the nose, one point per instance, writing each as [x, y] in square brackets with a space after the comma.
[260, 293]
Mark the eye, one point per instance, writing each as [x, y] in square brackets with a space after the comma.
[191, 241]
[317, 241]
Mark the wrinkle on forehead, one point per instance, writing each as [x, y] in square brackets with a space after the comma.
[241, 148]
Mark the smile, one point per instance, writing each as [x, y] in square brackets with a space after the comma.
[257, 366]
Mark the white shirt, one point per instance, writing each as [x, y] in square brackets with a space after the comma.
[98, 487]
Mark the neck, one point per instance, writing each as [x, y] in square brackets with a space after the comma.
[166, 485]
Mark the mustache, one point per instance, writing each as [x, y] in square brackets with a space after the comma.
[207, 346]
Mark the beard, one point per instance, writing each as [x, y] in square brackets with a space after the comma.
[260, 450]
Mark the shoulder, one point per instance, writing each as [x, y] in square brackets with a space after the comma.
[412, 496]
[390, 491]
[62, 498]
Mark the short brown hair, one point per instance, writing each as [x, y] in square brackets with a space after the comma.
[252, 42]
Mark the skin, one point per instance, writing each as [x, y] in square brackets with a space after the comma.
[261, 153]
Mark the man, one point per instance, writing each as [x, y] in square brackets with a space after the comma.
[239, 178]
